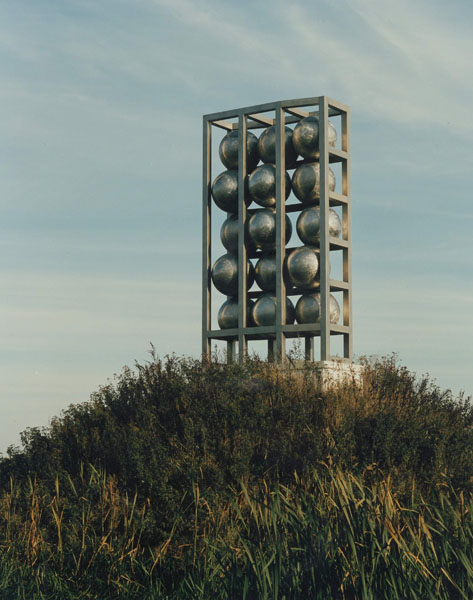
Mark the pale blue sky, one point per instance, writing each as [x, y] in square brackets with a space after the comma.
[100, 176]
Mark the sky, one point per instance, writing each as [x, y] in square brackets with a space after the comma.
[100, 176]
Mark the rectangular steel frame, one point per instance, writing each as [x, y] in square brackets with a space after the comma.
[287, 111]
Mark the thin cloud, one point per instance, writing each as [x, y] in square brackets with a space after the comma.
[401, 74]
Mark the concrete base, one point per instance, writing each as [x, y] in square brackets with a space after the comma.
[332, 373]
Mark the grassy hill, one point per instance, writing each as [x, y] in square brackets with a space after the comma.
[180, 480]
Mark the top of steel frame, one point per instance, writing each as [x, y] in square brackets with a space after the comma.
[291, 106]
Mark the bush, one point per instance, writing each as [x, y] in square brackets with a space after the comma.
[183, 480]
[173, 423]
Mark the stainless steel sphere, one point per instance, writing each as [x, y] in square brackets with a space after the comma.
[262, 185]
[228, 150]
[308, 309]
[308, 225]
[265, 273]
[229, 235]
[228, 314]
[306, 137]
[306, 182]
[262, 229]
[316, 285]
[302, 266]
[225, 191]
[225, 274]
[267, 146]
[264, 311]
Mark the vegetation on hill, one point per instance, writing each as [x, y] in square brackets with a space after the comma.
[183, 480]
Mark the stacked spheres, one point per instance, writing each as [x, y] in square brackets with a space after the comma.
[301, 265]
[228, 314]
[267, 147]
[225, 274]
[302, 268]
[264, 311]
[308, 309]
[265, 273]
[228, 150]
[306, 182]
[308, 225]
[305, 137]
[262, 229]
[262, 185]
[229, 235]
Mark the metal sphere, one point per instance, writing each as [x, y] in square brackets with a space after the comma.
[229, 235]
[265, 273]
[228, 314]
[264, 311]
[225, 274]
[225, 191]
[262, 185]
[267, 146]
[308, 225]
[262, 229]
[228, 150]
[308, 309]
[306, 182]
[306, 137]
[317, 279]
[302, 266]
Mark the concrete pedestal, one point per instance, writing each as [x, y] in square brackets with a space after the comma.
[332, 373]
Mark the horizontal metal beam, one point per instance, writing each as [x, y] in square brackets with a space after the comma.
[338, 243]
[338, 199]
[297, 112]
[339, 286]
[224, 125]
[261, 119]
[337, 155]
[258, 124]
[338, 106]
[335, 200]
[289, 292]
[335, 286]
[289, 330]
[335, 108]
[233, 113]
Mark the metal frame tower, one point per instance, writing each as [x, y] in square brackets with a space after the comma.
[262, 116]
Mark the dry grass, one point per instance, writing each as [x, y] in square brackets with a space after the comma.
[330, 536]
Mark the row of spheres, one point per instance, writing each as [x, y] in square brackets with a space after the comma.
[301, 269]
[301, 264]
[263, 312]
[262, 186]
[304, 141]
[260, 230]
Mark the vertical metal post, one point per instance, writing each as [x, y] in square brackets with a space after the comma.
[206, 237]
[230, 351]
[309, 348]
[324, 231]
[242, 254]
[346, 232]
[280, 233]
[270, 350]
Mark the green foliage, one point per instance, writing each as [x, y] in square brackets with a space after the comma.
[184, 480]
[174, 422]
[330, 535]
